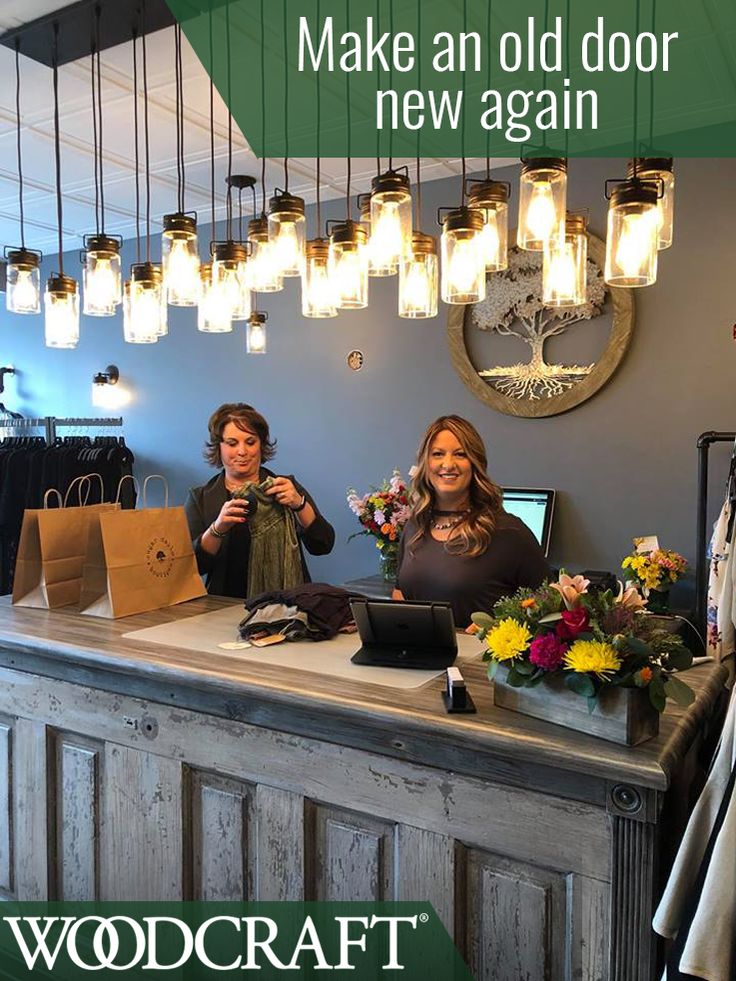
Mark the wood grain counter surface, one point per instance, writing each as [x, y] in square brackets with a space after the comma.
[410, 725]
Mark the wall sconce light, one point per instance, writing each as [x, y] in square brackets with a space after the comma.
[103, 382]
[255, 338]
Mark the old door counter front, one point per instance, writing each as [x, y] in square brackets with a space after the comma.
[135, 770]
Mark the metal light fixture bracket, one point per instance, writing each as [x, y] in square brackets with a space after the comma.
[23, 258]
[110, 376]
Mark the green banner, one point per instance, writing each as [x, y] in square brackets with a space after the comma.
[337, 78]
[362, 941]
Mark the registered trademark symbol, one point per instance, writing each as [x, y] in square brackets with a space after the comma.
[424, 917]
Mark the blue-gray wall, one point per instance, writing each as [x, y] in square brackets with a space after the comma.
[624, 462]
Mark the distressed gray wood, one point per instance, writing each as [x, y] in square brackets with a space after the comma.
[384, 788]
[220, 823]
[588, 929]
[426, 870]
[279, 867]
[516, 922]
[351, 856]
[142, 849]
[77, 821]
[6, 808]
[30, 818]
[633, 944]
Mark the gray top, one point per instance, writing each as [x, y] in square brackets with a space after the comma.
[427, 571]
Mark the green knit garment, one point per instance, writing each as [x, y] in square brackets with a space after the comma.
[275, 560]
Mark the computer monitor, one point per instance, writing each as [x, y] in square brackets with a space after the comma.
[535, 506]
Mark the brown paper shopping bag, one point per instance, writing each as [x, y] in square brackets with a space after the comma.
[52, 548]
[139, 561]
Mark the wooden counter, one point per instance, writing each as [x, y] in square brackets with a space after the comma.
[130, 770]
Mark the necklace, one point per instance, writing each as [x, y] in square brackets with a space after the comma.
[444, 525]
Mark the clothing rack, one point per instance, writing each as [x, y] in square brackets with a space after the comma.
[50, 424]
[705, 441]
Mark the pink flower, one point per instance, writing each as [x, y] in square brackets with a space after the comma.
[546, 652]
[571, 588]
[632, 598]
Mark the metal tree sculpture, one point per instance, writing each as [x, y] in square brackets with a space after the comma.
[513, 308]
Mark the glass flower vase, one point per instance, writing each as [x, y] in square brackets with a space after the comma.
[389, 564]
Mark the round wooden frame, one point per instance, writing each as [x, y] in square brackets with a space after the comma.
[618, 342]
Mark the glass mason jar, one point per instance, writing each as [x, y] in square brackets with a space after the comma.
[318, 295]
[564, 273]
[23, 281]
[262, 273]
[147, 300]
[659, 169]
[418, 279]
[631, 239]
[491, 198]
[463, 275]
[61, 312]
[542, 201]
[180, 260]
[229, 276]
[391, 222]
[348, 265]
[101, 276]
[213, 312]
[287, 232]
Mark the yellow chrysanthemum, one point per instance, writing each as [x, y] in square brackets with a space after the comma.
[592, 655]
[508, 639]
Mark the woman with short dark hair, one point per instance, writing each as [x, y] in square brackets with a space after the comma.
[247, 524]
[459, 544]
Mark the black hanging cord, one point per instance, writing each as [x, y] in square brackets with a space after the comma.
[319, 135]
[57, 148]
[20, 161]
[179, 110]
[212, 126]
[635, 153]
[263, 114]
[462, 127]
[378, 85]
[651, 82]
[99, 119]
[488, 85]
[418, 196]
[137, 159]
[95, 140]
[349, 141]
[229, 232]
[146, 144]
[568, 62]
[181, 121]
[240, 215]
[286, 103]
[391, 86]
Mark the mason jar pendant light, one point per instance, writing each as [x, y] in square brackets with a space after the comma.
[375, 265]
[255, 336]
[542, 201]
[287, 231]
[61, 299]
[463, 274]
[101, 267]
[564, 272]
[491, 198]
[632, 233]
[179, 246]
[147, 294]
[390, 221]
[229, 277]
[418, 270]
[348, 258]
[214, 313]
[318, 295]
[659, 170]
[23, 272]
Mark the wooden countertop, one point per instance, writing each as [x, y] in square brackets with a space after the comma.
[495, 742]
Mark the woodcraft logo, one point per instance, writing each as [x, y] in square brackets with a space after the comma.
[160, 557]
[68, 940]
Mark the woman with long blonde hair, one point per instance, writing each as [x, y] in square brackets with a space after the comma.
[459, 544]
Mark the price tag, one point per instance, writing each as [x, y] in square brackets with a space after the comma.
[650, 543]
[234, 645]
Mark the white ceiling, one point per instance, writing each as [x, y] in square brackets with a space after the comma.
[119, 161]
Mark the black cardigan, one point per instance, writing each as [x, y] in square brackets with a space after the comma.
[202, 508]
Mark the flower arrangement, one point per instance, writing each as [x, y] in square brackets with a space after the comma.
[657, 569]
[594, 639]
[383, 512]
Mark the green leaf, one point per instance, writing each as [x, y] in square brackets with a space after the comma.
[524, 667]
[581, 684]
[680, 659]
[482, 620]
[657, 694]
[492, 670]
[515, 679]
[637, 646]
[550, 618]
[678, 691]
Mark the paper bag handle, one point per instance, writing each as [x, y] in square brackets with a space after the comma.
[153, 476]
[52, 490]
[127, 476]
[85, 482]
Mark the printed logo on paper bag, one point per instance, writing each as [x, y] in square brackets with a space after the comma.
[160, 557]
